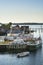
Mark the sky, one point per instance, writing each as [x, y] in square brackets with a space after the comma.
[21, 11]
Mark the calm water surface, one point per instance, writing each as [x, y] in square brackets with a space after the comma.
[35, 58]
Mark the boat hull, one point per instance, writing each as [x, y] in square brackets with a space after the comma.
[23, 54]
[34, 47]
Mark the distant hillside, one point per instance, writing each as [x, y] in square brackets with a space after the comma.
[28, 23]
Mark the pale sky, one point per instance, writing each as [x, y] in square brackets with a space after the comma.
[18, 11]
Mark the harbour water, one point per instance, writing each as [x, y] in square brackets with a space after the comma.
[35, 58]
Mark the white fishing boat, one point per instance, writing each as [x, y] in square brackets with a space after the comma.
[29, 41]
[23, 54]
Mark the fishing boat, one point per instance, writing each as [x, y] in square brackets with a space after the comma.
[23, 54]
[28, 39]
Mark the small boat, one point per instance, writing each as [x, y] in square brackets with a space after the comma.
[23, 54]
